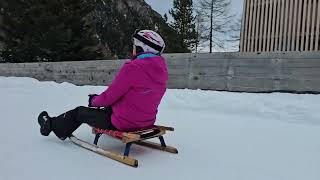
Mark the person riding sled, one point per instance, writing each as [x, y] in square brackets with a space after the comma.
[129, 103]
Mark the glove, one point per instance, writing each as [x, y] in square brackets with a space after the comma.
[91, 96]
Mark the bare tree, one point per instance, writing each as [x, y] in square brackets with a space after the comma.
[234, 38]
[200, 29]
[215, 22]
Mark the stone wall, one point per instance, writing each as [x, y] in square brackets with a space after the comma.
[244, 72]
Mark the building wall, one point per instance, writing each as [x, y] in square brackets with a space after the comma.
[280, 25]
[244, 72]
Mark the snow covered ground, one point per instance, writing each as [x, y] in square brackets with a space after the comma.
[219, 135]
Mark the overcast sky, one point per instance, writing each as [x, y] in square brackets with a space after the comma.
[162, 6]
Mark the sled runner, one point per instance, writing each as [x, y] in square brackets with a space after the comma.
[138, 137]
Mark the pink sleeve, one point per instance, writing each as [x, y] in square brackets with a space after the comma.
[119, 86]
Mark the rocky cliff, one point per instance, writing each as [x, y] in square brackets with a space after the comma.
[117, 20]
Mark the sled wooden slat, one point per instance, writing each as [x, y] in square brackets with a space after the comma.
[127, 137]
[136, 137]
[94, 148]
[157, 146]
[165, 128]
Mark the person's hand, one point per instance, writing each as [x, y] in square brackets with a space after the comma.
[91, 96]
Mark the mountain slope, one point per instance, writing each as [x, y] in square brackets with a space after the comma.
[118, 19]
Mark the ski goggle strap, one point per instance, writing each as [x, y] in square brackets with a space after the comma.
[145, 41]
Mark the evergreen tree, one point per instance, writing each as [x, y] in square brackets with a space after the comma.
[48, 30]
[184, 22]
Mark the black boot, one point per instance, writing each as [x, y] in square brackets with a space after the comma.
[44, 121]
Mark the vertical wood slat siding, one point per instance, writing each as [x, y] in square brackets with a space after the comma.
[254, 7]
[256, 35]
[244, 29]
[290, 19]
[299, 38]
[318, 28]
[250, 24]
[280, 25]
[269, 25]
[307, 35]
[261, 20]
[273, 25]
[243, 22]
[313, 22]
[276, 48]
[285, 35]
[264, 43]
[247, 25]
[294, 27]
[303, 29]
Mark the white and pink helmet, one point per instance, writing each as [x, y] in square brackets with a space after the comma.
[149, 41]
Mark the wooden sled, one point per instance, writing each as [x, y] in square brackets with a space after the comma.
[129, 138]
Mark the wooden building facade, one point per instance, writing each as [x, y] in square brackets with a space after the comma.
[280, 25]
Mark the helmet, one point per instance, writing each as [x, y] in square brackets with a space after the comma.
[148, 41]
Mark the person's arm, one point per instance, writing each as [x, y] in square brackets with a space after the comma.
[119, 86]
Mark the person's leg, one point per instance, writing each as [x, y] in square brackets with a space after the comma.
[65, 124]
[99, 118]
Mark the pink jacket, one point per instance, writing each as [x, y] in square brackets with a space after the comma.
[135, 93]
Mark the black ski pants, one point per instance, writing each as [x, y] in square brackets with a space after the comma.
[65, 124]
